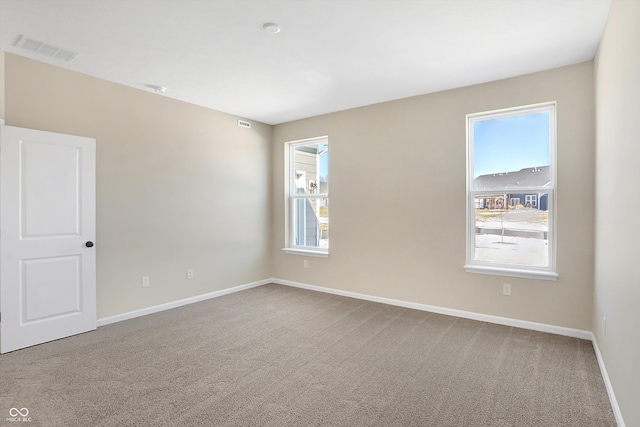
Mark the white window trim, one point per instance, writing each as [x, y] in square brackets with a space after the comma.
[307, 252]
[499, 269]
[289, 247]
[512, 272]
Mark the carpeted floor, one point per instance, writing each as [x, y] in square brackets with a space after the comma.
[281, 356]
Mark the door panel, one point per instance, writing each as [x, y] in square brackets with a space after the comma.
[42, 301]
[58, 196]
[47, 214]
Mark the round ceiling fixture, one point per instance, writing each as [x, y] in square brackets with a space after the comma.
[271, 28]
[158, 89]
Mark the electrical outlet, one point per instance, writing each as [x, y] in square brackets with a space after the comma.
[145, 281]
[506, 289]
[306, 263]
[190, 273]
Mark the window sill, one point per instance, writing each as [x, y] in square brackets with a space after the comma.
[306, 252]
[513, 272]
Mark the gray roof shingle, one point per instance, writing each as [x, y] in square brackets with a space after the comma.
[539, 176]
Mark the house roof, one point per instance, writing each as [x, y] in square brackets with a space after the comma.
[539, 176]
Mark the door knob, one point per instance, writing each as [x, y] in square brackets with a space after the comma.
[89, 244]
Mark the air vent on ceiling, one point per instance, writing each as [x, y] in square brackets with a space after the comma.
[244, 124]
[45, 49]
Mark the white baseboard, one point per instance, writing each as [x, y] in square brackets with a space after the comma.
[607, 383]
[542, 327]
[179, 303]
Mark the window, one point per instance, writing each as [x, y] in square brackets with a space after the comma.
[511, 182]
[530, 200]
[308, 197]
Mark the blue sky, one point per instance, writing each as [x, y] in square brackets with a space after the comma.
[511, 143]
[324, 165]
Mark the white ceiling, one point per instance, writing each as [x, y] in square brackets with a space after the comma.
[331, 55]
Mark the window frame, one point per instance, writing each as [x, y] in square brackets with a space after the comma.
[505, 269]
[290, 197]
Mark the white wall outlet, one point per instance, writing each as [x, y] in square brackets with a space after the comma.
[306, 263]
[190, 273]
[506, 289]
[145, 281]
[604, 325]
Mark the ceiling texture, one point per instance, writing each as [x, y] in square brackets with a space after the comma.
[329, 55]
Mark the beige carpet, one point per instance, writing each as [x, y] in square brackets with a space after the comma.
[280, 356]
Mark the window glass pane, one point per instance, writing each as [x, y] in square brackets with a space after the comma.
[537, 176]
[311, 222]
[512, 229]
[311, 169]
[323, 160]
[511, 151]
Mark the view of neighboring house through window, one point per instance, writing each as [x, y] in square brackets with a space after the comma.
[511, 192]
[308, 198]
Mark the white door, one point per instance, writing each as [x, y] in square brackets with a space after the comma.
[47, 230]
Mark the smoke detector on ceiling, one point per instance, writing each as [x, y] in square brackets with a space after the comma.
[44, 49]
[271, 28]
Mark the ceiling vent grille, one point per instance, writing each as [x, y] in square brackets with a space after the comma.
[44, 49]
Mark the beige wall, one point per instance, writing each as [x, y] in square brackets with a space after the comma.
[178, 186]
[397, 215]
[617, 283]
